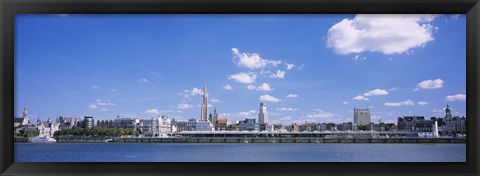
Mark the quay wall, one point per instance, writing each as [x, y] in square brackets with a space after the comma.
[289, 140]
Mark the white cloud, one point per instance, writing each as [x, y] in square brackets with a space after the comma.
[264, 87]
[458, 97]
[289, 66]
[279, 74]
[245, 78]
[360, 98]
[95, 87]
[318, 113]
[287, 109]
[376, 92]
[437, 110]
[269, 98]
[194, 92]
[215, 100]
[251, 87]
[227, 87]
[143, 80]
[292, 96]
[345, 102]
[244, 113]
[430, 84]
[422, 103]
[92, 106]
[252, 111]
[184, 106]
[153, 112]
[400, 103]
[387, 34]
[252, 60]
[100, 104]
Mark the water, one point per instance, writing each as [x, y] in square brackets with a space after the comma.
[162, 152]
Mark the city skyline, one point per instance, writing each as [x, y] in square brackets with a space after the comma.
[304, 67]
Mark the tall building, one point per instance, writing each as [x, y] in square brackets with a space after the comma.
[212, 118]
[204, 115]
[88, 122]
[262, 114]
[361, 116]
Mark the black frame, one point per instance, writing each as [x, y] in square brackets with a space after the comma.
[8, 8]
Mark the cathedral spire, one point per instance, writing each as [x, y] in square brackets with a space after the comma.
[204, 115]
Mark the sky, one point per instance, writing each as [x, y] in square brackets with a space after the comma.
[305, 68]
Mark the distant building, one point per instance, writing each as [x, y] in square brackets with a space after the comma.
[22, 121]
[88, 122]
[46, 129]
[262, 114]
[105, 123]
[221, 125]
[408, 123]
[361, 116]
[204, 110]
[453, 124]
[246, 125]
[68, 122]
[345, 126]
[213, 117]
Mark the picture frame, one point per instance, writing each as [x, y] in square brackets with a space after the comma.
[8, 9]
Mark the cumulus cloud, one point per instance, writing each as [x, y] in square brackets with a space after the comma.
[279, 74]
[360, 98]
[287, 109]
[318, 113]
[400, 103]
[359, 58]
[252, 60]
[244, 78]
[430, 84]
[345, 102]
[422, 103]
[184, 106]
[458, 97]
[264, 87]
[227, 87]
[143, 80]
[387, 34]
[269, 98]
[376, 92]
[215, 100]
[394, 89]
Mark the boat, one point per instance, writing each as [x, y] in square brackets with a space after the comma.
[43, 139]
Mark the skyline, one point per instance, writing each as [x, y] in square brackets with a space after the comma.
[304, 67]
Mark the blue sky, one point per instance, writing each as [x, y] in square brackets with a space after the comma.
[313, 68]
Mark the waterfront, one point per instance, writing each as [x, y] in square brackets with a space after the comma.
[167, 152]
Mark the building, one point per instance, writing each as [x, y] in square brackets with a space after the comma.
[204, 110]
[427, 128]
[361, 116]
[46, 129]
[221, 125]
[22, 121]
[67, 122]
[262, 114]
[105, 123]
[247, 125]
[126, 123]
[88, 122]
[213, 117]
[408, 123]
[453, 124]
[148, 127]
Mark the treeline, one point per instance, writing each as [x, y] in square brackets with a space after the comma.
[28, 134]
[96, 131]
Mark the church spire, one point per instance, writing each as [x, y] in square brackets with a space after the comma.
[204, 115]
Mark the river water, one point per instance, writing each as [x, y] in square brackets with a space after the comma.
[175, 152]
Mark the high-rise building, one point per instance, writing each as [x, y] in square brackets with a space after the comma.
[262, 114]
[204, 115]
[361, 116]
[25, 117]
[88, 122]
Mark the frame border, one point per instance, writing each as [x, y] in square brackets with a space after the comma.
[8, 9]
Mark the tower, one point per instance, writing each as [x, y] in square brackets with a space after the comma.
[262, 114]
[204, 115]
[25, 117]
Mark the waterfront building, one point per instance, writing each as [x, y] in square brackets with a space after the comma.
[345, 126]
[148, 127]
[105, 123]
[361, 116]
[408, 123]
[67, 122]
[213, 117]
[247, 125]
[427, 128]
[46, 129]
[204, 110]
[221, 125]
[262, 114]
[126, 123]
[178, 126]
[164, 126]
[88, 122]
[453, 124]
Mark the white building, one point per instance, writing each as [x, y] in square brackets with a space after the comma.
[361, 116]
[47, 129]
